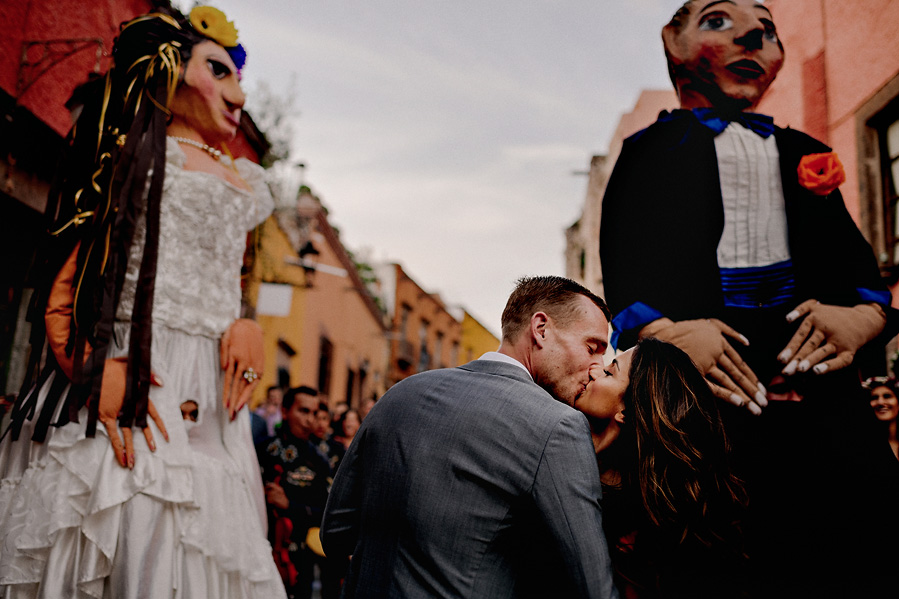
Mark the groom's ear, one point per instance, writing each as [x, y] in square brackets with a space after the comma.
[539, 325]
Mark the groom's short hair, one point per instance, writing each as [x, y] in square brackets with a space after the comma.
[556, 296]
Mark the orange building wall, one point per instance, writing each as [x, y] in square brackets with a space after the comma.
[424, 306]
[335, 308]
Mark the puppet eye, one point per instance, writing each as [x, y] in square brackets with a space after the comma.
[716, 22]
[219, 69]
[770, 32]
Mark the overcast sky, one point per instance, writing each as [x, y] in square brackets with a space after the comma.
[447, 135]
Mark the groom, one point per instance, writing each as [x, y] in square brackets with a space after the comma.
[480, 481]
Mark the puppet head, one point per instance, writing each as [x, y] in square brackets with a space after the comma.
[722, 53]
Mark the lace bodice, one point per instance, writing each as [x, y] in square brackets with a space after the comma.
[202, 237]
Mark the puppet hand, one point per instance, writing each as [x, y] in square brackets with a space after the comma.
[112, 394]
[829, 331]
[242, 360]
[705, 341]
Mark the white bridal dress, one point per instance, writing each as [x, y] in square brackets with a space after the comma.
[188, 521]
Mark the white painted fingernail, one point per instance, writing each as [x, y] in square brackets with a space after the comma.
[820, 368]
[736, 399]
[754, 408]
[761, 399]
[790, 368]
[792, 316]
[785, 356]
[744, 340]
[804, 365]
[762, 389]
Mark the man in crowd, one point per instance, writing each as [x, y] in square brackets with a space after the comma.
[481, 481]
[296, 477]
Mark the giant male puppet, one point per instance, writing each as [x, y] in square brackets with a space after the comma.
[727, 236]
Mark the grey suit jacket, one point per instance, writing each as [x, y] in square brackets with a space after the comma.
[470, 482]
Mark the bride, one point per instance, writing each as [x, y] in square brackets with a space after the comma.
[672, 508]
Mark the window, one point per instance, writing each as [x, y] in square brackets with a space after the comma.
[438, 351]
[350, 386]
[424, 358]
[283, 355]
[877, 128]
[326, 351]
[888, 135]
[405, 310]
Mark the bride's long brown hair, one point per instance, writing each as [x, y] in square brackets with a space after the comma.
[674, 454]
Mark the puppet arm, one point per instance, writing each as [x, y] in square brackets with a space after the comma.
[58, 322]
[58, 314]
[242, 360]
[828, 330]
[706, 342]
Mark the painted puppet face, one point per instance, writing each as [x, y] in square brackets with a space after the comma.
[210, 99]
[570, 351]
[724, 53]
[884, 403]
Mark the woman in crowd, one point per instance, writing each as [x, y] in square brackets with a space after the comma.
[140, 309]
[672, 508]
[885, 406]
[347, 425]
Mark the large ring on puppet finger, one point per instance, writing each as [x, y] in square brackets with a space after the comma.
[250, 375]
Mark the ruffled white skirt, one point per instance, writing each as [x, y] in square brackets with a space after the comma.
[187, 522]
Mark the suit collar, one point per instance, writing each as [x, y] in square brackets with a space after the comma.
[499, 368]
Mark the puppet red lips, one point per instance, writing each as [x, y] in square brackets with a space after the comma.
[748, 69]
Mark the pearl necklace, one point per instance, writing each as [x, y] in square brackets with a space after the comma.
[217, 154]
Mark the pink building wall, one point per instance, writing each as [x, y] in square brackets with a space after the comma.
[838, 55]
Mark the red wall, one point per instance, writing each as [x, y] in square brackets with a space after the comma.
[41, 20]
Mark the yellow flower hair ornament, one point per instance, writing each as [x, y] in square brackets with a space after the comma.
[213, 23]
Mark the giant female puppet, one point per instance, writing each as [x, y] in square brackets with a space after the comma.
[727, 236]
[140, 313]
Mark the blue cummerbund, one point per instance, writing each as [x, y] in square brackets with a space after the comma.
[758, 286]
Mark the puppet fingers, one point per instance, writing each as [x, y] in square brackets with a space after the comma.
[729, 331]
[230, 381]
[744, 376]
[233, 391]
[148, 432]
[744, 386]
[112, 430]
[730, 397]
[820, 354]
[244, 398]
[842, 360]
[735, 395]
[811, 344]
[226, 349]
[802, 309]
[796, 341]
[129, 446]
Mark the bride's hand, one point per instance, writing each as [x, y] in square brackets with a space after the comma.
[242, 361]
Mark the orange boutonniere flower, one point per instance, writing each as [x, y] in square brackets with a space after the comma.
[821, 173]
